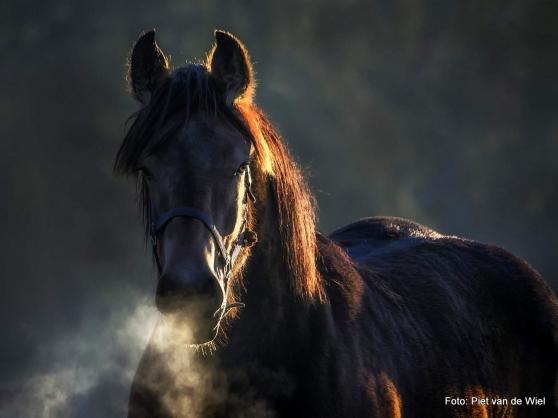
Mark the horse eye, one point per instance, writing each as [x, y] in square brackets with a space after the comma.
[241, 169]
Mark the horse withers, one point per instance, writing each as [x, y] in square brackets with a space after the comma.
[265, 317]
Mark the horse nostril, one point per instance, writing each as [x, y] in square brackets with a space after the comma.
[188, 291]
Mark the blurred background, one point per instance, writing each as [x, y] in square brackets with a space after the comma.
[442, 112]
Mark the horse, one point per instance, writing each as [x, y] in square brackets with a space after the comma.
[382, 318]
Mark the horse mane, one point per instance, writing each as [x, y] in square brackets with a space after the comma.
[192, 90]
[296, 205]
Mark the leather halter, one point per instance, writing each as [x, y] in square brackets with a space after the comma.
[228, 259]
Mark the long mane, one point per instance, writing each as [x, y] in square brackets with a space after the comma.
[296, 209]
[192, 90]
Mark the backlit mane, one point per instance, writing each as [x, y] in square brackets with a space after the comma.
[191, 90]
[295, 202]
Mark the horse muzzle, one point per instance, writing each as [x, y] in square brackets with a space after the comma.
[193, 300]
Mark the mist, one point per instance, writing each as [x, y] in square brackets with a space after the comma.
[87, 373]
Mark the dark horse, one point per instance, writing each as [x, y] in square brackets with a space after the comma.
[382, 318]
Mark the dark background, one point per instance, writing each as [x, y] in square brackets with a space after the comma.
[442, 112]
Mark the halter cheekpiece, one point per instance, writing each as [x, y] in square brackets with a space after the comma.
[228, 259]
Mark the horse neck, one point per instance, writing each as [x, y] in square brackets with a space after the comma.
[273, 313]
[267, 276]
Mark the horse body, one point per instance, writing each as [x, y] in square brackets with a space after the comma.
[452, 318]
[383, 318]
[413, 317]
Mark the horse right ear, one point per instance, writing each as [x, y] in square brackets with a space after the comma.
[149, 66]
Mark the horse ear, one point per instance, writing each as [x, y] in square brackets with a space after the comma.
[230, 64]
[149, 66]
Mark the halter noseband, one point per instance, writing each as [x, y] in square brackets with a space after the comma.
[158, 224]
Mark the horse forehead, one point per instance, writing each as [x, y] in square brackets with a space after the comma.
[206, 143]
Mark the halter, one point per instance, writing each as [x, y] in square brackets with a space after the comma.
[228, 259]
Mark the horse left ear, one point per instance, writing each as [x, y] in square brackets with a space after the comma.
[230, 64]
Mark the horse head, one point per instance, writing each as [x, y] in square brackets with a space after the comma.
[192, 154]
